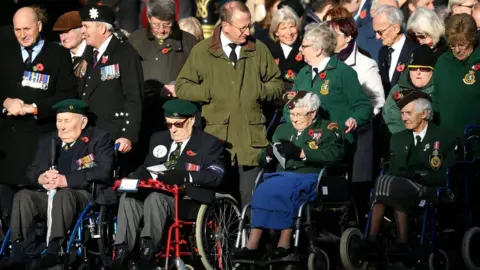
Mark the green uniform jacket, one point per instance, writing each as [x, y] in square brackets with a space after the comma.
[341, 94]
[390, 112]
[320, 141]
[232, 96]
[402, 153]
[457, 91]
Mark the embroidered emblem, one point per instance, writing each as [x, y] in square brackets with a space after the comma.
[324, 88]
[93, 12]
[333, 126]
[435, 162]
[313, 145]
[469, 78]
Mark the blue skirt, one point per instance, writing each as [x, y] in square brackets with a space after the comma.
[276, 201]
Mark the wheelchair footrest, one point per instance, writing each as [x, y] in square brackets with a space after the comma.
[292, 258]
[251, 262]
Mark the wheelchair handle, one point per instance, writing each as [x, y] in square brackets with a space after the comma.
[116, 146]
[470, 127]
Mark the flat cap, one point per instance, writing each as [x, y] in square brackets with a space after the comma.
[402, 98]
[68, 21]
[97, 13]
[71, 105]
[423, 57]
[179, 108]
[291, 97]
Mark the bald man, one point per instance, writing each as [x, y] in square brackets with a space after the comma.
[35, 75]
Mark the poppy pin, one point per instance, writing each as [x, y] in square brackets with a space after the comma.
[39, 67]
[323, 75]
[166, 50]
[311, 133]
[84, 139]
[400, 67]
[104, 59]
[191, 153]
[476, 67]
[299, 57]
[363, 14]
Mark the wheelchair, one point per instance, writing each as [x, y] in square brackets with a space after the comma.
[198, 232]
[333, 202]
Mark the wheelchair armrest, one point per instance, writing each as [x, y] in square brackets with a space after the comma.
[340, 169]
[445, 194]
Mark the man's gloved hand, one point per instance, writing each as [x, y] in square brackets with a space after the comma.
[175, 177]
[290, 149]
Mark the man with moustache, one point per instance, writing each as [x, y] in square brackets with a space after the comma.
[113, 81]
[35, 74]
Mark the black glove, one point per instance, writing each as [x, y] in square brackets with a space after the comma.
[175, 177]
[290, 149]
[269, 151]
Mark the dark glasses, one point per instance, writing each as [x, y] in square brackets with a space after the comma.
[176, 124]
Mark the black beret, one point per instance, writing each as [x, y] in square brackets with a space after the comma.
[291, 97]
[293, 4]
[71, 105]
[179, 108]
[97, 13]
[402, 98]
[423, 57]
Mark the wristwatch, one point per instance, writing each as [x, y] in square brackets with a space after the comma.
[35, 109]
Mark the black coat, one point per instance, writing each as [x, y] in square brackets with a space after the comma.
[19, 134]
[293, 62]
[92, 141]
[404, 59]
[202, 149]
[116, 104]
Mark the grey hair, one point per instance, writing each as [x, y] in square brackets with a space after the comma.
[392, 14]
[427, 22]
[311, 101]
[376, 4]
[322, 37]
[109, 26]
[164, 10]
[422, 105]
[283, 15]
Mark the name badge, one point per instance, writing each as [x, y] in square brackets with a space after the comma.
[110, 72]
[35, 80]
[128, 185]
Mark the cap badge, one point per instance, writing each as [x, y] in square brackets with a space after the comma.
[70, 107]
[93, 12]
[175, 114]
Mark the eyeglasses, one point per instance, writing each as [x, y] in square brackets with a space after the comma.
[381, 32]
[305, 46]
[458, 46]
[420, 36]
[299, 115]
[420, 69]
[242, 29]
[158, 26]
[179, 124]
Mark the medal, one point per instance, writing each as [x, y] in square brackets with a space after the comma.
[324, 88]
[313, 145]
[427, 146]
[469, 78]
[436, 147]
[435, 162]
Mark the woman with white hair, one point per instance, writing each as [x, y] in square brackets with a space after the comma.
[308, 144]
[427, 28]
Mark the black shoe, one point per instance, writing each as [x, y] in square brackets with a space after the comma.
[147, 254]
[121, 257]
[398, 249]
[365, 247]
[281, 252]
[247, 254]
[50, 257]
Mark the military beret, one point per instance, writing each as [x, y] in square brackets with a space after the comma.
[179, 108]
[423, 57]
[68, 21]
[402, 98]
[71, 105]
[291, 97]
[97, 13]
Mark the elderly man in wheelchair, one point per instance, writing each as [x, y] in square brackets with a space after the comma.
[420, 156]
[302, 148]
[179, 156]
[65, 164]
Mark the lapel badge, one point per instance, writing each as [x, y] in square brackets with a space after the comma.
[427, 146]
[435, 162]
[469, 78]
[313, 145]
[324, 88]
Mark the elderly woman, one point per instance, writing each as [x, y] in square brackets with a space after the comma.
[419, 78]
[461, 6]
[307, 143]
[262, 27]
[427, 28]
[191, 25]
[456, 77]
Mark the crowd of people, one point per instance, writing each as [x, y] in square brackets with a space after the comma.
[337, 81]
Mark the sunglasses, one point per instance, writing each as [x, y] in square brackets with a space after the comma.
[421, 69]
[179, 124]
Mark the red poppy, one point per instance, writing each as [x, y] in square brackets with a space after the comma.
[84, 139]
[290, 73]
[292, 93]
[323, 75]
[476, 67]
[99, 4]
[191, 153]
[397, 95]
[39, 67]
[363, 14]
[165, 50]
[277, 61]
[299, 57]
[310, 133]
[400, 67]
[104, 59]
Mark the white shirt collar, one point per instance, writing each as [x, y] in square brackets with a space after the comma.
[321, 67]
[286, 49]
[421, 134]
[397, 46]
[103, 47]
[397, 49]
[227, 49]
[224, 40]
[71, 144]
[81, 49]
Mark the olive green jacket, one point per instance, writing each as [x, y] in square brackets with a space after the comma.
[390, 112]
[321, 143]
[232, 97]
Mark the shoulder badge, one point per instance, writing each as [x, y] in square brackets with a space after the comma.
[324, 89]
[333, 126]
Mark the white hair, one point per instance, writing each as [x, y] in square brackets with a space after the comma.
[422, 105]
[322, 37]
[376, 4]
[392, 14]
[427, 22]
[311, 101]
[107, 25]
[284, 15]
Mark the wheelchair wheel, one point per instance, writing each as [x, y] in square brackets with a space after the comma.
[350, 238]
[216, 231]
[106, 230]
[438, 260]
[470, 245]
[318, 260]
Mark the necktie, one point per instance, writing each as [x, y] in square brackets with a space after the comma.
[233, 54]
[315, 71]
[174, 156]
[29, 58]
[418, 141]
[388, 60]
[95, 57]
[67, 146]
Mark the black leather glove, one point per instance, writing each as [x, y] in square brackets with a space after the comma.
[175, 177]
[269, 151]
[290, 149]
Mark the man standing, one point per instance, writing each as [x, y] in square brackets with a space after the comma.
[113, 81]
[232, 74]
[35, 74]
[69, 28]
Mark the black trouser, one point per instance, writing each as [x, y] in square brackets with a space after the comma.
[6, 202]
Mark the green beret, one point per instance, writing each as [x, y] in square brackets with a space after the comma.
[71, 105]
[178, 108]
[402, 98]
[291, 97]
